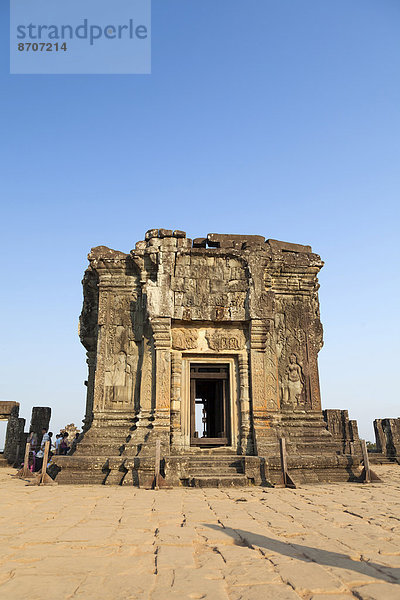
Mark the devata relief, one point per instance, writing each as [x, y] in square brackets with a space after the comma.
[209, 346]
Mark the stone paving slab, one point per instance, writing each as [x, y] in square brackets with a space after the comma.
[325, 542]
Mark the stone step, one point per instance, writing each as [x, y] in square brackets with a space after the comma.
[218, 481]
[204, 452]
[376, 458]
[214, 470]
[214, 474]
[212, 460]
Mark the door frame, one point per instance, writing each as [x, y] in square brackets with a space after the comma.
[222, 377]
[233, 379]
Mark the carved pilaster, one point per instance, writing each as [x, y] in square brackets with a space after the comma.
[244, 402]
[101, 352]
[271, 369]
[312, 376]
[162, 346]
[257, 350]
[176, 383]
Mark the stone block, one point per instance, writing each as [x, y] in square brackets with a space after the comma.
[200, 243]
[165, 233]
[40, 419]
[377, 591]
[151, 233]
[140, 245]
[217, 286]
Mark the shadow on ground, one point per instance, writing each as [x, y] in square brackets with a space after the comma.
[310, 554]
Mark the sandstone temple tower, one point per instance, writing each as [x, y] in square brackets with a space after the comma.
[209, 345]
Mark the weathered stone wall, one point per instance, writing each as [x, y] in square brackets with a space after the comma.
[344, 430]
[168, 281]
[387, 435]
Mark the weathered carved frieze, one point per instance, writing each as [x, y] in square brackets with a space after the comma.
[224, 340]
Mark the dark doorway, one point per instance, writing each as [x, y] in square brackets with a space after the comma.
[209, 405]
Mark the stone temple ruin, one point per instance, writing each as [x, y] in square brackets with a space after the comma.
[211, 347]
[16, 436]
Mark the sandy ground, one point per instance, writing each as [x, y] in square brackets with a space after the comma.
[331, 542]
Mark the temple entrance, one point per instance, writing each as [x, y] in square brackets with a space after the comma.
[209, 405]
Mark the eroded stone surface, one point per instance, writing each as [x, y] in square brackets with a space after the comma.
[121, 543]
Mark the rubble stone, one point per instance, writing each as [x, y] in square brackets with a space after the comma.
[344, 430]
[387, 434]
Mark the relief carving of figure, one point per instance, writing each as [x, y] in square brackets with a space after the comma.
[184, 339]
[120, 369]
[293, 384]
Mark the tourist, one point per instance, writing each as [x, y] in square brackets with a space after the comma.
[64, 447]
[39, 455]
[51, 444]
[45, 438]
[58, 442]
[33, 441]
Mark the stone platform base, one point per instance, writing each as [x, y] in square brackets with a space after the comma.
[204, 470]
[108, 455]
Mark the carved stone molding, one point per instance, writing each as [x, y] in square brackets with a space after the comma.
[258, 335]
[161, 333]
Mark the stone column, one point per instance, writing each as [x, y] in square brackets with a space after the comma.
[244, 402]
[14, 436]
[379, 436]
[162, 347]
[91, 362]
[176, 383]
[40, 419]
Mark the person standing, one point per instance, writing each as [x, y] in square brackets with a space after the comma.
[64, 447]
[58, 442]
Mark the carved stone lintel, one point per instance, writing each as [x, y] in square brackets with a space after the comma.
[218, 340]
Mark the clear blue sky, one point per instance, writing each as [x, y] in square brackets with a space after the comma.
[278, 118]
